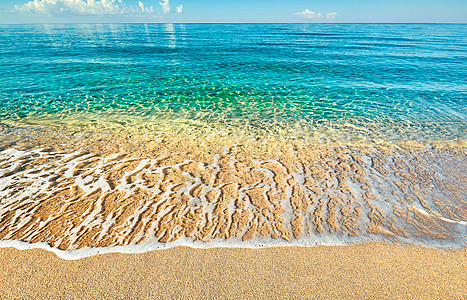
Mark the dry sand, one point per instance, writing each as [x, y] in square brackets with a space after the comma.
[369, 271]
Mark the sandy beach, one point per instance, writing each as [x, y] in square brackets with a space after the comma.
[365, 271]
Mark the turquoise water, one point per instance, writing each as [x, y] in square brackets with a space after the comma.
[395, 80]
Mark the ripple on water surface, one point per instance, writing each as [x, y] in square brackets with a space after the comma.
[242, 75]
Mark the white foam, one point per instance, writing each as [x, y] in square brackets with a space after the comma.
[463, 223]
[152, 246]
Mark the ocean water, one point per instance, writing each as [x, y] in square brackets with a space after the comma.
[400, 80]
[132, 137]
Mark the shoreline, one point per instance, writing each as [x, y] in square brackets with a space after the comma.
[142, 248]
[370, 270]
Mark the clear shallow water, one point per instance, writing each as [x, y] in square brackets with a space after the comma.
[392, 80]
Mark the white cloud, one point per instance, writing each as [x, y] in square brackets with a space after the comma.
[309, 14]
[148, 10]
[331, 16]
[167, 8]
[82, 7]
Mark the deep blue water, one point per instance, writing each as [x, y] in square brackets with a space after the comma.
[399, 80]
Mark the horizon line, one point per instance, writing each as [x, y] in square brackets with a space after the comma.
[44, 23]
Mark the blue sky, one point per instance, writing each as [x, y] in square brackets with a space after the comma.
[27, 11]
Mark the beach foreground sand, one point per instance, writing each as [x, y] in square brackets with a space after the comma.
[373, 270]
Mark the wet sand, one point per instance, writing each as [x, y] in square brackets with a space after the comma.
[365, 271]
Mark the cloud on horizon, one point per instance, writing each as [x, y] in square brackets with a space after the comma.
[167, 8]
[309, 14]
[331, 15]
[82, 7]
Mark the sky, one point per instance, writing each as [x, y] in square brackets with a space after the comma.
[233, 11]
